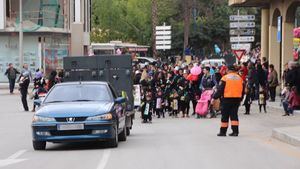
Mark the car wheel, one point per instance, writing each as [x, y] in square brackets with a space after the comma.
[114, 141]
[123, 135]
[39, 145]
[128, 131]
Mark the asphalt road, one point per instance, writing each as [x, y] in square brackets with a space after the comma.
[164, 144]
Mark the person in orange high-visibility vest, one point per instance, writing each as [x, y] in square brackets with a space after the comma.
[230, 91]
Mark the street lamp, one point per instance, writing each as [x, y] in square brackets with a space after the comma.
[21, 59]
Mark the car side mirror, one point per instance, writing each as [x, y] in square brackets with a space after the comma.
[120, 100]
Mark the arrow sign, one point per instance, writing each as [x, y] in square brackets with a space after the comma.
[242, 25]
[242, 17]
[12, 159]
[239, 53]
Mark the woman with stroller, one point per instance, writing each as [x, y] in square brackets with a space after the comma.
[208, 82]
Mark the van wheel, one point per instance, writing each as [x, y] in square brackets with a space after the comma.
[123, 135]
[39, 145]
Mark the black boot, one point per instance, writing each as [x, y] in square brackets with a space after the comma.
[223, 131]
[235, 130]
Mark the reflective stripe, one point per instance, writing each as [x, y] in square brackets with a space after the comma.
[234, 123]
[224, 124]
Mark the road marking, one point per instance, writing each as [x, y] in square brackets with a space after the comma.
[17, 154]
[104, 159]
[12, 159]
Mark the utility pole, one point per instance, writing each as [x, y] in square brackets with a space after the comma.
[154, 24]
[21, 58]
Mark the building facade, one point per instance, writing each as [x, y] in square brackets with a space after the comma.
[279, 19]
[52, 29]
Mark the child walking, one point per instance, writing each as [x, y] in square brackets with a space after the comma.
[147, 108]
[262, 101]
[159, 104]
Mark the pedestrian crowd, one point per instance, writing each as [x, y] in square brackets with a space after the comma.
[170, 88]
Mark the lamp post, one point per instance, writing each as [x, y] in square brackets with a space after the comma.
[21, 58]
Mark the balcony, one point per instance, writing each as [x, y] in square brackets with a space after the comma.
[248, 3]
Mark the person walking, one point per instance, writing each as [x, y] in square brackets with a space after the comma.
[230, 91]
[11, 74]
[273, 82]
[24, 82]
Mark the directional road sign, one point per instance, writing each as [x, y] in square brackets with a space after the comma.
[244, 46]
[163, 37]
[239, 32]
[242, 39]
[242, 18]
[242, 25]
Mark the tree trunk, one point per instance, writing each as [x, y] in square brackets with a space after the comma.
[154, 24]
[187, 22]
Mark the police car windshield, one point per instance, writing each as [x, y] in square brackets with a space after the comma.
[78, 93]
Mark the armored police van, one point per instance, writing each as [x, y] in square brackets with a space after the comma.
[115, 69]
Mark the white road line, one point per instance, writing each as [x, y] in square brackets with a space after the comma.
[17, 154]
[104, 159]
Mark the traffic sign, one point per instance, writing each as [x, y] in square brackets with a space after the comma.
[163, 37]
[279, 27]
[163, 28]
[242, 25]
[164, 47]
[164, 42]
[248, 32]
[243, 46]
[239, 53]
[242, 17]
[242, 39]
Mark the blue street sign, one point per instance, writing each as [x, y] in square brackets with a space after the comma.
[279, 29]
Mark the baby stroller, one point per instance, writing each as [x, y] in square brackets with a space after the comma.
[204, 107]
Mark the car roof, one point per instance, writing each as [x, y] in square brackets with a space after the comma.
[82, 83]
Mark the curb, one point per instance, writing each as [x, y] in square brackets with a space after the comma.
[290, 135]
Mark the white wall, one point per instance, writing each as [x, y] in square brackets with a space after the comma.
[2, 14]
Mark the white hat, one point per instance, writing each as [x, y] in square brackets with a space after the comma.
[177, 68]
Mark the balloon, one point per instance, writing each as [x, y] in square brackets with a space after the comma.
[217, 49]
[191, 77]
[196, 70]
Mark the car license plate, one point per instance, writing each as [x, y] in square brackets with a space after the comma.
[70, 127]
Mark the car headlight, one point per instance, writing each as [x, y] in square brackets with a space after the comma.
[42, 119]
[100, 117]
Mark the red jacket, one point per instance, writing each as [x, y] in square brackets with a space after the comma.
[294, 100]
[223, 70]
[244, 73]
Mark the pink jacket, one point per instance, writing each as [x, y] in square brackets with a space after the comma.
[294, 100]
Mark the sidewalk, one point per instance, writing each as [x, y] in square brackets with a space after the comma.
[290, 135]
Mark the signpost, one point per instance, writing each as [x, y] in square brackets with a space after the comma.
[163, 37]
[242, 32]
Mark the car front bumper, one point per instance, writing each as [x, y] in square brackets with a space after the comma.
[92, 132]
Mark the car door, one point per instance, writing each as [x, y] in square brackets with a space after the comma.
[120, 109]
